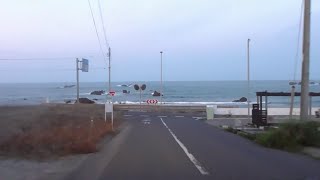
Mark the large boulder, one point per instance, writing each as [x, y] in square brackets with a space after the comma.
[67, 101]
[156, 93]
[243, 99]
[125, 91]
[97, 92]
[85, 101]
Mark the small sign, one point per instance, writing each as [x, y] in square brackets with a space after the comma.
[136, 87]
[112, 93]
[85, 65]
[108, 108]
[143, 87]
[152, 101]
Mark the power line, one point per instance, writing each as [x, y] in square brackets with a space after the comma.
[36, 59]
[103, 26]
[95, 26]
[47, 69]
[298, 44]
[68, 58]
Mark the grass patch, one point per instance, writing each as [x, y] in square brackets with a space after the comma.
[231, 130]
[291, 136]
[63, 140]
[56, 131]
[241, 133]
[247, 135]
[60, 141]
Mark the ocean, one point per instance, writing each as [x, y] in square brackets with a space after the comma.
[179, 92]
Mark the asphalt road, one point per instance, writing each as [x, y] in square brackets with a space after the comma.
[181, 147]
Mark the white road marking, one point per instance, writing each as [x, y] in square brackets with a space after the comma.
[179, 116]
[196, 163]
[162, 116]
[198, 118]
[146, 121]
[144, 115]
[136, 110]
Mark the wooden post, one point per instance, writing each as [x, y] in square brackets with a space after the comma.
[292, 101]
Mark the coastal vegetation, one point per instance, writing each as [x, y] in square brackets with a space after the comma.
[293, 136]
[54, 130]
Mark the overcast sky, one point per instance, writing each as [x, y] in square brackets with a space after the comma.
[201, 39]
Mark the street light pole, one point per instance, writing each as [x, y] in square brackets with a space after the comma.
[77, 70]
[161, 89]
[248, 76]
[304, 105]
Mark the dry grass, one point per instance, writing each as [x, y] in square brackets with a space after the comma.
[57, 131]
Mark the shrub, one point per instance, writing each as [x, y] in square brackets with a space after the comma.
[291, 136]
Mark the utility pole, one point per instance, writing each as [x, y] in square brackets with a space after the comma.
[304, 104]
[248, 76]
[161, 93]
[77, 70]
[109, 55]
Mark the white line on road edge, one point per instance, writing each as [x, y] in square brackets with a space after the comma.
[196, 163]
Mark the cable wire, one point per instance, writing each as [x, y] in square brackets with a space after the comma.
[47, 69]
[103, 25]
[36, 59]
[298, 45]
[95, 26]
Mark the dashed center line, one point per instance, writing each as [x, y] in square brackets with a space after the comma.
[196, 163]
